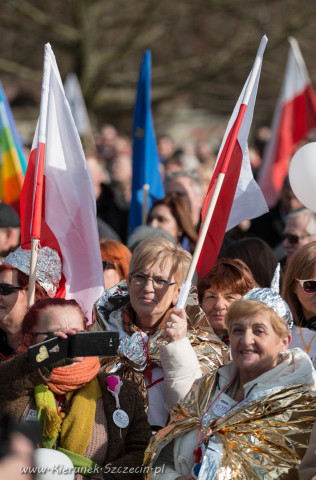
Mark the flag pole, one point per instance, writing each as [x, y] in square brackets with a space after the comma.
[298, 54]
[145, 203]
[185, 288]
[38, 181]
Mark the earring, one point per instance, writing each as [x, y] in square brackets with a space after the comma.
[281, 356]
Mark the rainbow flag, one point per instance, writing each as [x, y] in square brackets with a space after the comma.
[12, 160]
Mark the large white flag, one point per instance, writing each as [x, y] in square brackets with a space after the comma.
[67, 206]
[240, 197]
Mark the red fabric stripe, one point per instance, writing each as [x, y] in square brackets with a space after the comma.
[37, 208]
[217, 227]
[46, 236]
[155, 382]
[297, 119]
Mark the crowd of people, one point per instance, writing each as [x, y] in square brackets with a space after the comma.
[222, 388]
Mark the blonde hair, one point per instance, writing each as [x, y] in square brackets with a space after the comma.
[159, 248]
[249, 308]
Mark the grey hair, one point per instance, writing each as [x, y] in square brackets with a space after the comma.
[194, 177]
[311, 226]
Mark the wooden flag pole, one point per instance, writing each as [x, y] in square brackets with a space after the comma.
[145, 203]
[185, 288]
[32, 276]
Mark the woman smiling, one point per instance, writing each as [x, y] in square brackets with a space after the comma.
[252, 417]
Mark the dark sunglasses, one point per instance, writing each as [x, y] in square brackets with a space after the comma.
[108, 266]
[7, 289]
[308, 286]
[292, 238]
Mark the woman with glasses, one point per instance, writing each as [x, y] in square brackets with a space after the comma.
[115, 260]
[299, 291]
[156, 347]
[14, 282]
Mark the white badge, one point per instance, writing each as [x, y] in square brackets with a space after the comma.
[120, 418]
[222, 405]
[31, 416]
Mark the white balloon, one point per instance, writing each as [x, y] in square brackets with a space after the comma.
[52, 465]
[302, 175]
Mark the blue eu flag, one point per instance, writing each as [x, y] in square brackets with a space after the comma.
[145, 154]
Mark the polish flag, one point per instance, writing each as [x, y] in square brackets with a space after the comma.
[58, 204]
[240, 198]
[294, 118]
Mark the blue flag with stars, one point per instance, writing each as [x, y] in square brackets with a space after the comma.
[145, 154]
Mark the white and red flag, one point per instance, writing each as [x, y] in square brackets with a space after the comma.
[294, 118]
[233, 194]
[240, 198]
[58, 204]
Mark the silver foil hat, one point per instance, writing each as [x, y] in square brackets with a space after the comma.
[48, 268]
[272, 298]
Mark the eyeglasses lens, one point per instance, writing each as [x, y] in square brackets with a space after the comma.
[309, 286]
[141, 280]
[6, 289]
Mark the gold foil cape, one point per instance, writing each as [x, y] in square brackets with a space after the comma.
[130, 362]
[263, 437]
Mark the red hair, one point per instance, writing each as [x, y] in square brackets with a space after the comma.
[227, 274]
[23, 281]
[31, 318]
[116, 253]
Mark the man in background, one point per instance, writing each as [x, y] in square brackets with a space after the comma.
[300, 229]
[269, 227]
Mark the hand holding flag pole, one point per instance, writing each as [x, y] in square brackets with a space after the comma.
[220, 171]
[38, 179]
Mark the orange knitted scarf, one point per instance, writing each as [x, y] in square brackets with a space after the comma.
[73, 377]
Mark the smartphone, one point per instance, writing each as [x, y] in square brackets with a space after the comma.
[83, 344]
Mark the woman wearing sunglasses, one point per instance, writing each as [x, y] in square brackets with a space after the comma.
[299, 291]
[14, 281]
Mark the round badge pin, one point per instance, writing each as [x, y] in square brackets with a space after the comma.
[120, 418]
